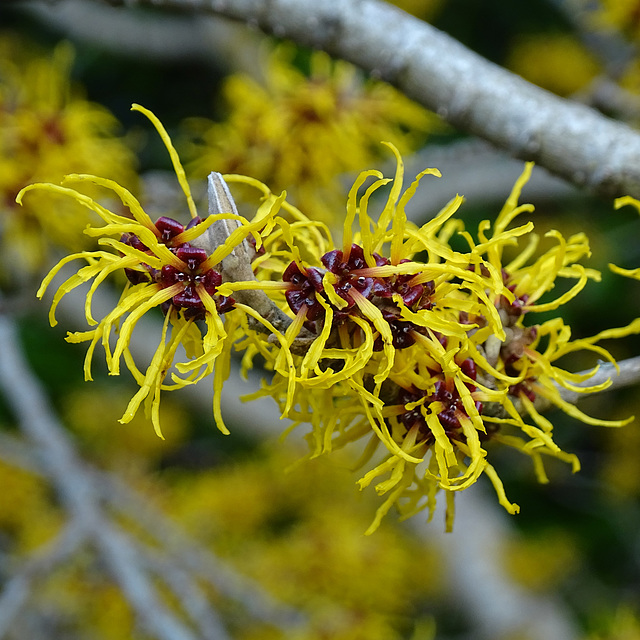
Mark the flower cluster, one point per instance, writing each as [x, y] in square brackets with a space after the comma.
[432, 357]
[394, 336]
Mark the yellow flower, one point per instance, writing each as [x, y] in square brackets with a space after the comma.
[47, 130]
[291, 532]
[165, 269]
[303, 132]
[379, 323]
[419, 355]
[623, 623]
[424, 9]
[622, 15]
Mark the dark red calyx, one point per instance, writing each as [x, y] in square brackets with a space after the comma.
[137, 277]
[411, 295]
[132, 240]
[414, 416]
[304, 287]
[192, 256]
[188, 297]
[211, 280]
[193, 222]
[468, 367]
[523, 388]
[169, 276]
[334, 260]
[382, 288]
[402, 333]
[401, 330]
[381, 261]
[168, 228]
[300, 278]
[224, 304]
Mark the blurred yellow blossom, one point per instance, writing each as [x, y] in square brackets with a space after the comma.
[92, 412]
[290, 531]
[621, 15]
[303, 132]
[621, 624]
[87, 601]
[557, 62]
[543, 561]
[48, 129]
[28, 513]
[424, 9]
[620, 469]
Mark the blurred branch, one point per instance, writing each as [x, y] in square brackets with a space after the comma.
[608, 45]
[473, 553]
[474, 95]
[15, 453]
[194, 601]
[81, 494]
[195, 558]
[77, 492]
[151, 35]
[17, 589]
[480, 173]
[615, 54]
[606, 95]
[628, 375]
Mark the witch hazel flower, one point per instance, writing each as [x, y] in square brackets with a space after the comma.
[425, 351]
[165, 269]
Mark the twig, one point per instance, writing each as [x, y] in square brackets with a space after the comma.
[152, 35]
[198, 560]
[26, 398]
[473, 555]
[607, 45]
[479, 172]
[194, 601]
[629, 375]
[236, 267]
[474, 95]
[17, 589]
[82, 488]
[609, 97]
[16, 453]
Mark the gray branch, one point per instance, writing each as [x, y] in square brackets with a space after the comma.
[629, 375]
[194, 600]
[83, 490]
[18, 588]
[150, 35]
[36, 419]
[197, 560]
[474, 95]
[473, 557]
